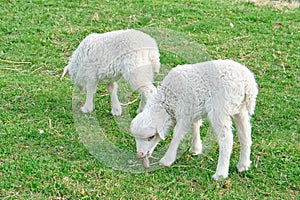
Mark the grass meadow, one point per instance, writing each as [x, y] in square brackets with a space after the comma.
[41, 154]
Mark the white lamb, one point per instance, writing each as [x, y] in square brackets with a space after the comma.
[217, 90]
[107, 57]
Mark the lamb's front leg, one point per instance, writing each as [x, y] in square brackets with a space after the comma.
[179, 132]
[115, 103]
[91, 87]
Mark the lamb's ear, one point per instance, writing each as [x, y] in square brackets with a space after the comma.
[163, 126]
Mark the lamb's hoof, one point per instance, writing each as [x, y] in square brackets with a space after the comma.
[166, 162]
[219, 177]
[244, 166]
[196, 151]
[116, 112]
[86, 109]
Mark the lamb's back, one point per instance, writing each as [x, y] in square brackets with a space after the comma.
[103, 49]
[198, 87]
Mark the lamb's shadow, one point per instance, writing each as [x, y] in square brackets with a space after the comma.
[95, 139]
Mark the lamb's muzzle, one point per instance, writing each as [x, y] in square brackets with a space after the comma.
[142, 155]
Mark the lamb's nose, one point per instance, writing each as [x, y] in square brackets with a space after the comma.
[140, 154]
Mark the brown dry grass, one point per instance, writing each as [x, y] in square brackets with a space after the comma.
[276, 4]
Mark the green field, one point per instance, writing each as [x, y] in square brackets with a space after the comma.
[41, 154]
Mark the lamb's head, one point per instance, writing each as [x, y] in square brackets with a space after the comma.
[149, 127]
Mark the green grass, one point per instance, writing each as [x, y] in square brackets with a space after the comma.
[36, 41]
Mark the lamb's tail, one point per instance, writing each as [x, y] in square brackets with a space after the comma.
[66, 71]
[251, 91]
[154, 58]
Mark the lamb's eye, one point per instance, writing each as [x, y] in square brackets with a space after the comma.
[151, 137]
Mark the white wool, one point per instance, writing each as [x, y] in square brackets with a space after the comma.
[201, 88]
[218, 90]
[106, 57]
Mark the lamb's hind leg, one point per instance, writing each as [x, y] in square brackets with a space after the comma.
[196, 148]
[243, 126]
[138, 79]
[221, 123]
[91, 87]
[116, 106]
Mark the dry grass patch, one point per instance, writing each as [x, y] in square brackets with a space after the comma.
[276, 4]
